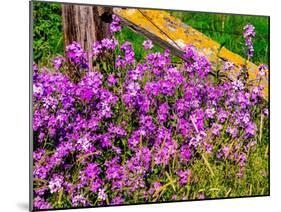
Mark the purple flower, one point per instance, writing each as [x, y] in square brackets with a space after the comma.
[118, 200]
[35, 67]
[249, 33]
[152, 88]
[232, 131]
[238, 85]
[185, 153]
[57, 62]
[109, 44]
[115, 24]
[147, 123]
[251, 128]
[147, 44]
[134, 140]
[96, 48]
[96, 184]
[40, 203]
[41, 137]
[79, 200]
[55, 184]
[92, 170]
[101, 194]
[129, 54]
[210, 112]
[228, 66]
[157, 61]
[198, 139]
[225, 151]
[154, 188]
[137, 73]
[77, 55]
[163, 112]
[184, 176]
[83, 144]
[265, 111]
[197, 120]
[133, 88]
[114, 170]
[117, 130]
[120, 62]
[262, 68]
[195, 63]
[216, 128]
[40, 172]
[111, 80]
[222, 116]
[208, 147]
[165, 147]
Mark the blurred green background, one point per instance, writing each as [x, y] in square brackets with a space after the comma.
[224, 28]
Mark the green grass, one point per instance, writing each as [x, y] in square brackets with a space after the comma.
[47, 32]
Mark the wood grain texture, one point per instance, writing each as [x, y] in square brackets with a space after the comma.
[84, 25]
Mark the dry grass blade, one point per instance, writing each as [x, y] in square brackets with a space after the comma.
[208, 165]
[171, 181]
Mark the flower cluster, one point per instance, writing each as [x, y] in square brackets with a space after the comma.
[58, 62]
[132, 131]
[249, 34]
[76, 55]
[115, 24]
[147, 44]
[105, 44]
[128, 58]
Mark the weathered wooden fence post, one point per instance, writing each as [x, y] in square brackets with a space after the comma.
[83, 24]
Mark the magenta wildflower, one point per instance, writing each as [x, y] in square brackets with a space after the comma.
[115, 24]
[163, 113]
[96, 185]
[96, 48]
[57, 62]
[147, 44]
[118, 200]
[265, 112]
[109, 43]
[101, 194]
[216, 128]
[184, 177]
[77, 55]
[92, 170]
[55, 184]
[249, 34]
[238, 85]
[228, 66]
[79, 200]
[111, 80]
[40, 203]
[185, 153]
[262, 68]
[251, 128]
